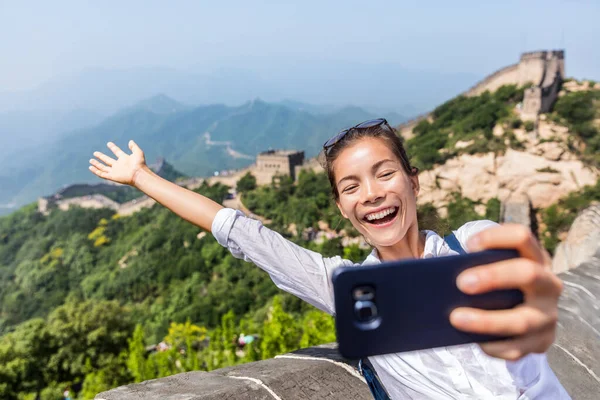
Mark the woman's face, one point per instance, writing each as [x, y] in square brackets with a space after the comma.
[375, 193]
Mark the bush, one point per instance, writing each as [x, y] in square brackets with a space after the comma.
[529, 126]
[559, 217]
[246, 183]
[548, 169]
[516, 123]
[576, 107]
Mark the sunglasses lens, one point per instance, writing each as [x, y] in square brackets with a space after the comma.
[363, 125]
[335, 139]
[371, 123]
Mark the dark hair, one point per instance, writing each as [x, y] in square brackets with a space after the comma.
[384, 132]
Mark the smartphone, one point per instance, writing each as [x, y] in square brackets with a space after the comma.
[405, 305]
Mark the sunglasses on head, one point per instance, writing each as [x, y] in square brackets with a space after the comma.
[372, 123]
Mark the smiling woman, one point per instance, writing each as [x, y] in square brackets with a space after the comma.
[376, 189]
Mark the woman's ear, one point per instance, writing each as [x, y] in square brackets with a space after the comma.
[414, 180]
[337, 203]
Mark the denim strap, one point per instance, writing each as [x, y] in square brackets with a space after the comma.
[364, 366]
[454, 244]
[377, 390]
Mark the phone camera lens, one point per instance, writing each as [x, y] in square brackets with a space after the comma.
[365, 310]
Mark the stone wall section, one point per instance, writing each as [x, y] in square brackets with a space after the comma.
[310, 374]
[90, 201]
[268, 165]
[504, 76]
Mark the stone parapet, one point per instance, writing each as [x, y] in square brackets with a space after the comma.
[312, 373]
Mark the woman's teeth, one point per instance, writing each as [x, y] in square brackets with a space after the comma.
[380, 214]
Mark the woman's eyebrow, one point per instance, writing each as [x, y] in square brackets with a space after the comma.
[379, 163]
[348, 178]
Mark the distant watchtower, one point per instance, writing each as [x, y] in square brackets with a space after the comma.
[276, 162]
[546, 69]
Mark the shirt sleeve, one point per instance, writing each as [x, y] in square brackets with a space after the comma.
[301, 272]
[471, 228]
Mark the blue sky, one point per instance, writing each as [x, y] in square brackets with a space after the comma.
[41, 40]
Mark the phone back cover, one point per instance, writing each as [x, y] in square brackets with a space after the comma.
[414, 301]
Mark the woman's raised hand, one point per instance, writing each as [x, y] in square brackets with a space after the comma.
[122, 170]
[533, 323]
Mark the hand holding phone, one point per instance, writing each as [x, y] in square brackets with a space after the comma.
[405, 305]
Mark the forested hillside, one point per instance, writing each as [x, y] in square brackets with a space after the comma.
[75, 284]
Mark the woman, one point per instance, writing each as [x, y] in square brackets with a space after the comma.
[376, 188]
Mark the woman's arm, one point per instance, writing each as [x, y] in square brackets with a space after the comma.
[131, 169]
[299, 271]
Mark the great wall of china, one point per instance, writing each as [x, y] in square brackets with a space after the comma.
[545, 70]
[268, 164]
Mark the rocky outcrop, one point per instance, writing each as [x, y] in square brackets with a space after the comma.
[544, 171]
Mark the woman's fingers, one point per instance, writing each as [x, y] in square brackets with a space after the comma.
[135, 149]
[115, 149]
[520, 273]
[509, 236]
[98, 172]
[104, 158]
[99, 165]
[514, 349]
[521, 320]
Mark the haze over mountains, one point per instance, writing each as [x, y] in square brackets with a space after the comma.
[47, 134]
[68, 102]
[106, 91]
[197, 140]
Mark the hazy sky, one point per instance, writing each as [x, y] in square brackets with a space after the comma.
[47, 38]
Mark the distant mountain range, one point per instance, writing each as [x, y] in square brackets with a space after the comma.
[196, 140]
[385, 86]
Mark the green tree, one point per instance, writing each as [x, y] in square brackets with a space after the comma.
[280, 332]
[229, 337]
[136, 361]
[246, 183]
[94, 330]
[317, 328]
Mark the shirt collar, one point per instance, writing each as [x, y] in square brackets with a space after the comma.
[433, 244]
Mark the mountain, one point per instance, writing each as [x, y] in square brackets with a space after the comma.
[392, 117]
[197, 141]
[159, 104]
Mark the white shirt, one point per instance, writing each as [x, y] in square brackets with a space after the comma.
[457, 372]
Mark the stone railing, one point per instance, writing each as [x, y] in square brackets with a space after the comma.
[320, 372]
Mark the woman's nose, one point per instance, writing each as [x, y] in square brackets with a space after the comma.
[371, 193]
